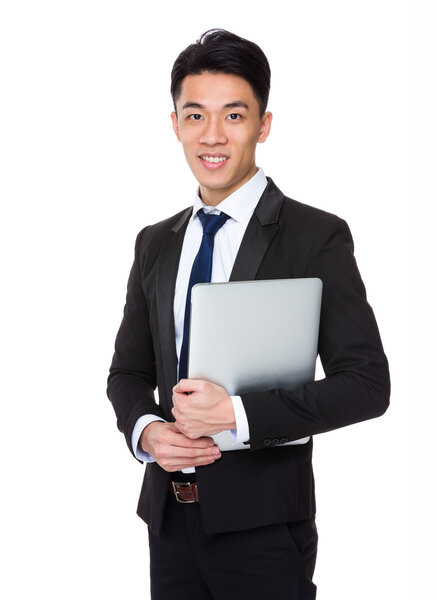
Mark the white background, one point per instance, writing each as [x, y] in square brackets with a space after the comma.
[88, 157]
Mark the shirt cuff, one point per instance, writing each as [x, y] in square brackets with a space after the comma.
[140, 425]
[242, 432]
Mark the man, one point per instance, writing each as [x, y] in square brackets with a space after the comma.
[235, 524]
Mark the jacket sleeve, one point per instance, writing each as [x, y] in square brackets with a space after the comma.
[356, 386]
[132, 375]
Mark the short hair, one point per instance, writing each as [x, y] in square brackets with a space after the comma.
[219, 51]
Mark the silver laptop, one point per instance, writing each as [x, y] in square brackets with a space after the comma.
[254, 335]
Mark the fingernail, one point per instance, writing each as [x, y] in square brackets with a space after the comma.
[216, 451]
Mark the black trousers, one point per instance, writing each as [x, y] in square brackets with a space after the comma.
[266, 562]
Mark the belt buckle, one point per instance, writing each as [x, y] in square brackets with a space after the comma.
[176, 492]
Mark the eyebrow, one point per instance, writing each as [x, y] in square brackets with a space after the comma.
[234, 104]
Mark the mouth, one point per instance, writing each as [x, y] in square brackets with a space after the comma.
[213, 161]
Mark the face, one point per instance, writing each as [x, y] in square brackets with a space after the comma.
[218, 124]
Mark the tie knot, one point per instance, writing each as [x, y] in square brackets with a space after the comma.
[211, 223]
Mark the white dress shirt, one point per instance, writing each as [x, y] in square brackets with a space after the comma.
[240, 207]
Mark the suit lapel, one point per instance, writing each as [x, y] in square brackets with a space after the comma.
[261, 230]
[168, 264]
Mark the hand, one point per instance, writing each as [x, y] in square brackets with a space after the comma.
[202, 408]
[173, 450]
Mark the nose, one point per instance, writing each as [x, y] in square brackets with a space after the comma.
[213, 133]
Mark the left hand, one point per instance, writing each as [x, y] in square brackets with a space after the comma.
[202, 408]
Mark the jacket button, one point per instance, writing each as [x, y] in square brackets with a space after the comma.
[284, 440]
[267, 442]
[275, 442]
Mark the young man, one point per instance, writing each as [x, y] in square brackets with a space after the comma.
[237, 524]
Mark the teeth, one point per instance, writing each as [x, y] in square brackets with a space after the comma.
[214, 159]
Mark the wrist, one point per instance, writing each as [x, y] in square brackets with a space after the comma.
[144, 438]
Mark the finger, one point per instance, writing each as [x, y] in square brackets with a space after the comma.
[203, 441]
[164, 450]
[196, 463]
[181, 466]
[183, 463]
[184, 401]
[176, 409]
[195, 453]
[177, 397]
[181, 440]
[167, 447]
[175, 463]
[189, 385]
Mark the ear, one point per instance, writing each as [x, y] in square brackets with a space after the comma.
[265, 127]
[175, 124]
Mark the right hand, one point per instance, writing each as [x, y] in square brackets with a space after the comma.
[173, 450]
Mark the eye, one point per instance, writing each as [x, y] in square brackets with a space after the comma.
[234, 117]
[195, 117]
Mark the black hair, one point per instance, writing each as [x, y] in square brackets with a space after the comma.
[219, 51]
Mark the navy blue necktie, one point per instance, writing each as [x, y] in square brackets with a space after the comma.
[201, 273]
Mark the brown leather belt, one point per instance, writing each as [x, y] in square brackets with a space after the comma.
[185, 492]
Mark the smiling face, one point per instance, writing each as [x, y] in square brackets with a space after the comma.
[219, 126]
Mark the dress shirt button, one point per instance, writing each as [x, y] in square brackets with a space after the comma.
[275, 442]
[267, 442]
[284, 440]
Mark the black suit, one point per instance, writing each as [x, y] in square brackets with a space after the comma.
[284, 239]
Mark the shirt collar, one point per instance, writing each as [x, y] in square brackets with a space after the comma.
[241, 204]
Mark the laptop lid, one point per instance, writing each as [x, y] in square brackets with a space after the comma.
[254, 335]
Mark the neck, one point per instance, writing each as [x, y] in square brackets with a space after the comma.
[212, 197]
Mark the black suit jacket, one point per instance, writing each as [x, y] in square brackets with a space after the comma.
[269, 483]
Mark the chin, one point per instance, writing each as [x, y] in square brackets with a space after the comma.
[213, 182]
